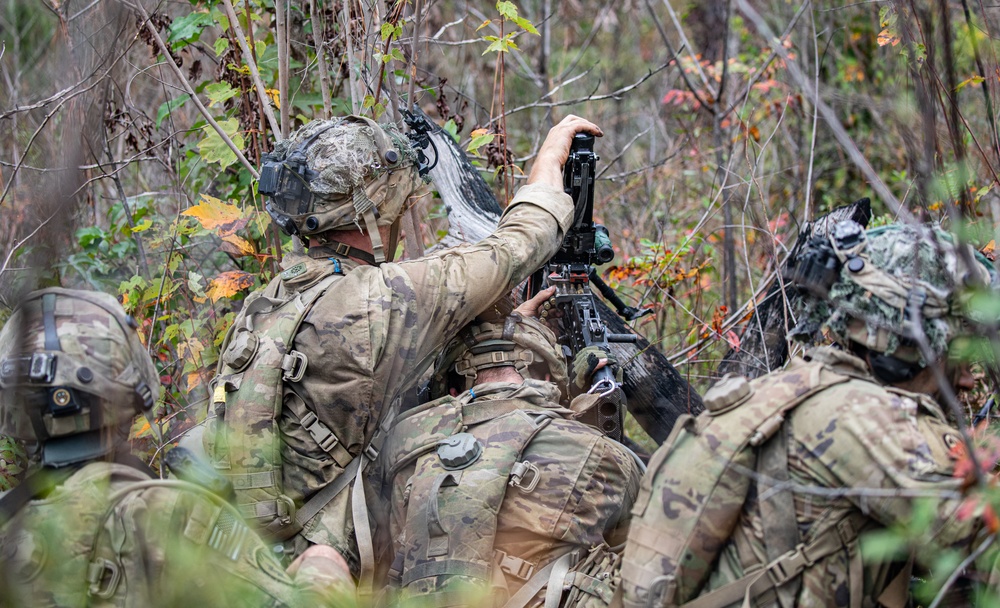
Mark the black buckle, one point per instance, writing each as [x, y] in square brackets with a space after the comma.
[37, 368]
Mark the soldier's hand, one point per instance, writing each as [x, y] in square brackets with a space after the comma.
[322, 569]
[529, 308]
[588, 361]
[555, 150]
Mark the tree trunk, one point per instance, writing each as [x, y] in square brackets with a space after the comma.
[764, 345]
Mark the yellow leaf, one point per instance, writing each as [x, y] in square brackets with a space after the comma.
[275, 96]
[212, 213]
[228, 284]
[478, 132]
[485, 23]
[240, 246]
[886, 37]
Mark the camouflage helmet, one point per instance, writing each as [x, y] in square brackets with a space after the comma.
[524, 343]
[333, 174]
[880, 280]
[72, 370]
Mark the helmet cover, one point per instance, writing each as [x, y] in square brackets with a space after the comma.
[330, 173]
[885, 275]
[71, 362]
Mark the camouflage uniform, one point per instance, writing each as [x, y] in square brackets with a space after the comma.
[367, 337]
[765, 495]
[160, 545]
[859, 435]
[543, 486]
[85, 531]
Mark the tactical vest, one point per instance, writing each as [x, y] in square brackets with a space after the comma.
[244, 441]
[79, 561]
[693, 493]
[465, 455]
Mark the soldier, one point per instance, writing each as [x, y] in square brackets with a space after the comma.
[92, 526]
[496, 489]
[765, 495]
[314, 364]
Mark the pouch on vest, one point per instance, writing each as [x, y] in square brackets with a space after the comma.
[692, 495]
[454, 495]
[257, 358]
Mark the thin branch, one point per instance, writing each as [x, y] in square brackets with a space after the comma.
[265, 103]
[194, 96]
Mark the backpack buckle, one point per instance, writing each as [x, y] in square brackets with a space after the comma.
[513, 565]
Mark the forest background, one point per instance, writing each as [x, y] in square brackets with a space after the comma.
[132, 131]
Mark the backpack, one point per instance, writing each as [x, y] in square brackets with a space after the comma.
[694, 491]
[243, 440]
[464, 456]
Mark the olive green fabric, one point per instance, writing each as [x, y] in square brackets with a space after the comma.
[852, 434]
[542, 487]
[371, 335]
[154, 544]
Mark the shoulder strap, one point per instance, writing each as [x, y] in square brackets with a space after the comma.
[31, 488]
[777, 508]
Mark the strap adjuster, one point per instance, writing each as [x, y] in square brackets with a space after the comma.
[371, 453]
[294, 366]
[342, 249]
[789, 565]
[320, 433]
[513, 565]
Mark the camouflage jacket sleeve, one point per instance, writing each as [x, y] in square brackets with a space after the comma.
[442, 292]
[191, 551]
[858, 435]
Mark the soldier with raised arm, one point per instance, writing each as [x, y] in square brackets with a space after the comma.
[315, 362]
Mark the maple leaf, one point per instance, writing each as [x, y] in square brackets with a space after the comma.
[228, 284]
[236, 245]
[213, 214]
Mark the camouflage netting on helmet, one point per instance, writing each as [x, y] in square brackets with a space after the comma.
[352, 174]
[912, 257]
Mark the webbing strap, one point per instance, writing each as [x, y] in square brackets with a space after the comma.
[449, 567]
[363, 534]
[246, 481]
[49, 322]
[783, 569]
[34, 486]
[777, 509]
[536, 583]
[334, 248]
[557, 580]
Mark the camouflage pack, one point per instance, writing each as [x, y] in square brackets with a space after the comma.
[697, 483]
[451, 463]
[257, 359]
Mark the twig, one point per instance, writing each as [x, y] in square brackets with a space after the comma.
[281, 27]
[983, 546]
[839, 133]
[265, 103]
[194, 96]
[324, 74]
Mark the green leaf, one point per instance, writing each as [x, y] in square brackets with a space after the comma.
[497, 45]
[397, 54]
[214, 150]
[973, 80]
[142, 226]
[221, 46]
[368, 102]
[525, 25]
[187, 29]
[387, 31]
[167, 107]
[507, 10]
[259, 46]
[219, 92]
[479, 141]
[451, 129]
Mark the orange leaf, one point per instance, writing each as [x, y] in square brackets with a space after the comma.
[989, 250]
[237, 245]
[228, 284]
[886, 37]
[478, 132]
[212, 213]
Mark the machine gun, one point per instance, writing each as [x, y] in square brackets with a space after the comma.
[571, 272]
